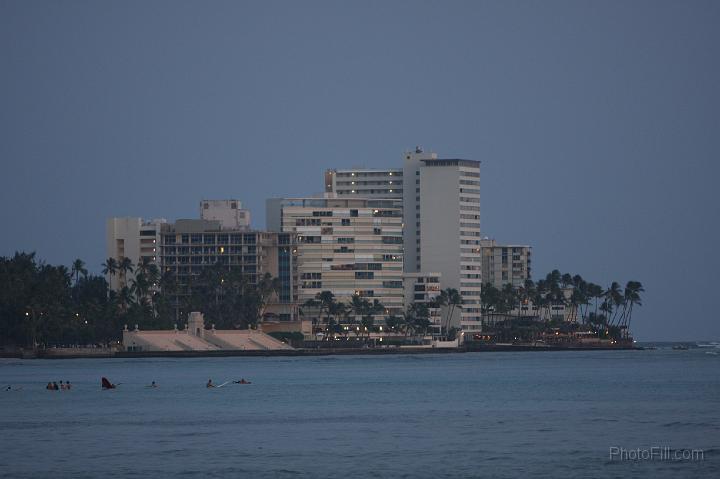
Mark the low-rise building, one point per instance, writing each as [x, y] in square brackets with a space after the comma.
[196, 337]
[425, 289]
[505, 264]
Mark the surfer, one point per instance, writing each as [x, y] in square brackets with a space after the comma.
[209, 384]
[107, 384]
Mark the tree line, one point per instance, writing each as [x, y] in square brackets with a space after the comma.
[358, 315]
[43, 305]
[593, 305]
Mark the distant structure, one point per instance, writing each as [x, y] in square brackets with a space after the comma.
[505, 264]
[442, 226]
[183, 249]
[441, 219]
[229, 213]
[132, 238]
[195, 337]
[187, 247]
[364, 183]
[390, 234]
[424, 289]
[344, 245]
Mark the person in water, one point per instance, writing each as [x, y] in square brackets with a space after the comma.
[67, 385]
[209, 384]
[242, 381]
[49, 387]
[107, 384]
[55, 386]
[62, 386]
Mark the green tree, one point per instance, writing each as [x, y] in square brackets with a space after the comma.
[78, 269]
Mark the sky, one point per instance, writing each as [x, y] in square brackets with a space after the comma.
[597, 123]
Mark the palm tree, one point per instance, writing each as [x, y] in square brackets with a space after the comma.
[125, 266]
[266, 287]
[614, 297]
[408, 319]
[392, 322]
[451, 298]
[632, 297]
[110, 267]
[326, 302]
[358, 306]
[78, 268]
[125, 298]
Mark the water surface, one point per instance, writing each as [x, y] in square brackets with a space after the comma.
[549, 414]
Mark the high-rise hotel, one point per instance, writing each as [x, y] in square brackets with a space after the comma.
[441, 218]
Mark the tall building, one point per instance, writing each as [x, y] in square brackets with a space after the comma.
[346, 246]
[442, 225]
[132, 238]
[190, 246]
[229, 213]
[364, 183]
[505, 264]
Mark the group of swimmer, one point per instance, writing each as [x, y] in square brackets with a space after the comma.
[106, 384]
[53, 386]
[211, 385]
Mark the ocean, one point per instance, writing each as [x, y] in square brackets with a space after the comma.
[501, 414]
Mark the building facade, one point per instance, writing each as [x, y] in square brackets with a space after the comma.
[229, 213]
[346, 246]
[505, 264]
[132, 238]
[364, 183]
[190, 246]
[442, 226]
[424, 289]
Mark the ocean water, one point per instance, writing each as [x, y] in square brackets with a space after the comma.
[545, 414]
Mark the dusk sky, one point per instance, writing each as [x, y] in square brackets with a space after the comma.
[597, 123]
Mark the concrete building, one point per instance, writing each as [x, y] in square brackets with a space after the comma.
[505, 264]
[346, 246]
[364, 183]
[132, 238]
[442, 226]
[190, 246]
[229, 213]
[441, 218]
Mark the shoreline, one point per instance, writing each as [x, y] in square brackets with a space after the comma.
[61, 354]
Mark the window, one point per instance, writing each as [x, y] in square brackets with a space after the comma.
[345, 222]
